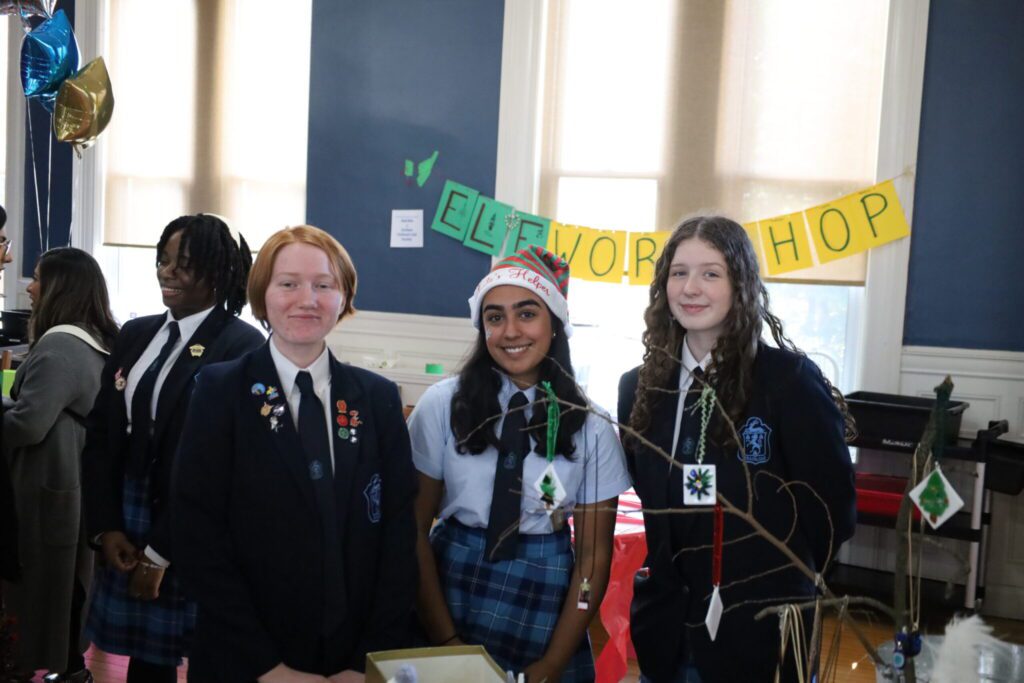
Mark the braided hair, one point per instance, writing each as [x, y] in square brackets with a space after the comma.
[214, 257]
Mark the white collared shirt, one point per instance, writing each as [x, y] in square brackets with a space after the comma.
[320, 371]
[597, 471]
[187, 326]
[689, 364]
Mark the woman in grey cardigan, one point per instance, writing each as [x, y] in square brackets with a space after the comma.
[71, 330]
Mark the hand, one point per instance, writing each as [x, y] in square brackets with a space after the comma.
[286, 674]
[347, 676]
[145, 581]
[119, 551]
[541, 671]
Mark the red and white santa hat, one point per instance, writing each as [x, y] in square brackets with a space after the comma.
[534, 269]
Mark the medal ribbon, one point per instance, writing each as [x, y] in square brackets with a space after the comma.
[716, 553]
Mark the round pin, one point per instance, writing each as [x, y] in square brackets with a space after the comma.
[342, 433]
[257, 389]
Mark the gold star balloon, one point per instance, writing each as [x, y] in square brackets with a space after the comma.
[84, 105]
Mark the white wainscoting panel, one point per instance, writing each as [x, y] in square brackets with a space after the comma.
[399, 346]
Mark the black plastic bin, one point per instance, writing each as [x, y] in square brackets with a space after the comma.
[895, 420]
[1004, 471]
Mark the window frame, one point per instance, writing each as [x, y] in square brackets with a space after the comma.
[884, 297]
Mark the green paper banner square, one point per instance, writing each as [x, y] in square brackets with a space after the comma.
[487, 226]
[532, 232]
[454, 210]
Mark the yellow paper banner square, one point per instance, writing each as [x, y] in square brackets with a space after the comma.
[755, 239]
[838, 229]
[786, 247]
[603, 258]
[644, 250]
[883, 214]
[566, 241]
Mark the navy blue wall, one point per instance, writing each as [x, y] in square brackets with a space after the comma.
[966, 286]
[392, 80]
[57, 186]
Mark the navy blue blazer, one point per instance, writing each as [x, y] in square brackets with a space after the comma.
[247, 527]
[105, 457]
[792, 431]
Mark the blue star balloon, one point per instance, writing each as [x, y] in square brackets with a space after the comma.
[49, 55]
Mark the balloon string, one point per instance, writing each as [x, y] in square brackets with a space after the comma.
[716, 566]
[35, 172]
[49, 184]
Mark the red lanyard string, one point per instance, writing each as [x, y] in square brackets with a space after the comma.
[716, 566]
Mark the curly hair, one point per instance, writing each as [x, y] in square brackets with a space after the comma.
[732, 358]
[476, 400]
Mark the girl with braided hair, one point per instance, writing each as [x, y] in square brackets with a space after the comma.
[138, 608]
[708, 308]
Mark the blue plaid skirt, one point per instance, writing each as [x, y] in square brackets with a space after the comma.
[510, 607]
[157, 631]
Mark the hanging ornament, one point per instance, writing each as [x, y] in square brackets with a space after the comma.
[84, 105]
[936, 498]
[548, 486]
[28, 8]
[714, 615]
[49, 55]
[700, 481]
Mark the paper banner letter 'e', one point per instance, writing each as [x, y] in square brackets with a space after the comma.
[454, 210]
[487, 226]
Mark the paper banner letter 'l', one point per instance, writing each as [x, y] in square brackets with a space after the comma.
[487, 226]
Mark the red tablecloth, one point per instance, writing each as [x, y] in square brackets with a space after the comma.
[630, 551]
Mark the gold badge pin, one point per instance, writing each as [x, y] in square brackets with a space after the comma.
[196, 350]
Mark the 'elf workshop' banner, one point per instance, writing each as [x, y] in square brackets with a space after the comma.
[844, 227]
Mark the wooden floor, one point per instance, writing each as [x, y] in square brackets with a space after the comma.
[853, 665]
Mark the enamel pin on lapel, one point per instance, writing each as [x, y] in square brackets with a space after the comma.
[271, 411]
[119, 381]
[347, 421]
[197, 350]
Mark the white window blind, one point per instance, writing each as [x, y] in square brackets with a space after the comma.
[212, 109]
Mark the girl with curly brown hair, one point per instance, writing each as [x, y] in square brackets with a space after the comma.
[782, 446]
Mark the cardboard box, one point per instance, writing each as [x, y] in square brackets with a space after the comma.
[458, 664]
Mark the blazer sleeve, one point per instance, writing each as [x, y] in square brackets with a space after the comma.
[102, 468]
[200, 492]
[390, 617]
[627, 394]
[813, 443]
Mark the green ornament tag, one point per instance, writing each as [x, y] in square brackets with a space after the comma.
[936, 498]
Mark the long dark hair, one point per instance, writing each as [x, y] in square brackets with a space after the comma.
[213, 257]
[732, 359]
[72, 291]
[475, 403]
